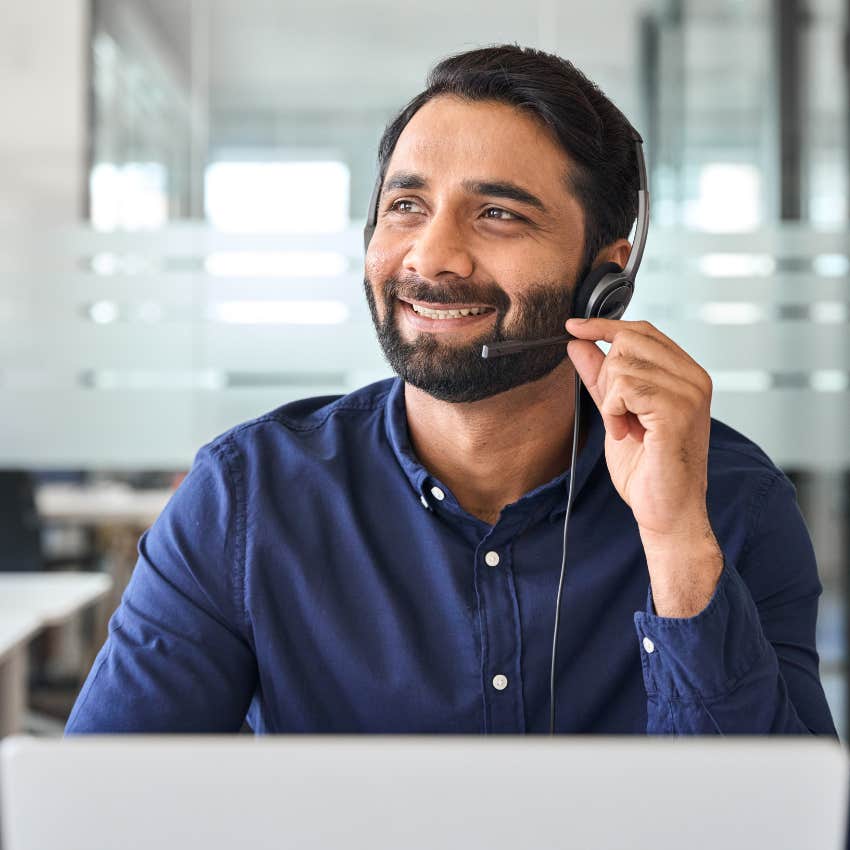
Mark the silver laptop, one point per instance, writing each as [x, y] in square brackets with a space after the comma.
[405, 793]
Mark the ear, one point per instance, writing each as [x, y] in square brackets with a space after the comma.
[617, 252]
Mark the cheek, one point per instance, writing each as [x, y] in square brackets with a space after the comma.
[520, 262]
[519, 274]
[520, 280]
[538, 271]
[377, 268]
[382, 259]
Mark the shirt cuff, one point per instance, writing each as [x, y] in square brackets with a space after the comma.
[706, 655]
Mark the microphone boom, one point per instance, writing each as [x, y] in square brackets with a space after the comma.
[500, 349]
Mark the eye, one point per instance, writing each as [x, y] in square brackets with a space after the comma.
[501, 215]
[403, 205]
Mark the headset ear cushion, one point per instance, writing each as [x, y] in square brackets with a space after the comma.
[585, 289]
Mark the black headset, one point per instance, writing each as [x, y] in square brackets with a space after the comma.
[607, 290]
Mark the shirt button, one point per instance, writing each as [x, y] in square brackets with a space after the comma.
[424, 502]
[648, 645]
[500, 682]
[438, 494]
[492, 559]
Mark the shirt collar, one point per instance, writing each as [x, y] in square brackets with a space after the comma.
[422, 481]
[399, 437]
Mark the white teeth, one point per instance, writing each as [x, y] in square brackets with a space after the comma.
[448, 314]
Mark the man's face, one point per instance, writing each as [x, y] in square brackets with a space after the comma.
[477, 240]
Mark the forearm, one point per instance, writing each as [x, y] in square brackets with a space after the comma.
[683, 570]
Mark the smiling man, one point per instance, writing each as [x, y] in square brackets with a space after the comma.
[388, 561]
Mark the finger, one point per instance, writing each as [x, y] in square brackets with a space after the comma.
[632, 394]
[649, 362]
[588, 360]
[606, 330]
[633, 351]
[636, 430]
[656, 409]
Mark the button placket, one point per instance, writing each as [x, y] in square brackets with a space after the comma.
[502, 645]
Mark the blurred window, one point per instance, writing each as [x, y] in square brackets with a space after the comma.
[728, 200]
[291, 197]
[132, 196]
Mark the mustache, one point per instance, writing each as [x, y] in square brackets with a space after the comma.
[455, 292]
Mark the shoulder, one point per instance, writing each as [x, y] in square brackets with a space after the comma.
[731, 453]
[747, 492]
[306, 421]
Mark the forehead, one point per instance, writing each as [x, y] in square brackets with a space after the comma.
[449, 138]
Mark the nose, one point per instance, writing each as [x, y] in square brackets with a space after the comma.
[439, 249]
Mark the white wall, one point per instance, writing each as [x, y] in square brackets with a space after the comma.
[43, 58]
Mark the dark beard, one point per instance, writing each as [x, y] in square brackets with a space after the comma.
[458, 373]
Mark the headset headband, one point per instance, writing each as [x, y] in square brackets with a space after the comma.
[642, 225]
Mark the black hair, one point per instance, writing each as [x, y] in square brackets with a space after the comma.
[595, 135]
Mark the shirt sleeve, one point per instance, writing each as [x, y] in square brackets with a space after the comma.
[177, 657]
[747, 663]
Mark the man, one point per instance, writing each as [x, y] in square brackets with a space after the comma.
[388, 561]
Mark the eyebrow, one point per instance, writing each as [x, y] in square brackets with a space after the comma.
[404, 180]
[504, 189]
[491, 188]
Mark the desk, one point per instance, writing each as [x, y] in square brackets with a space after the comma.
[30, 602]
[117, 512]
[100, 504]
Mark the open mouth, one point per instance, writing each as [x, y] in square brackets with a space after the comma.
[445, 312]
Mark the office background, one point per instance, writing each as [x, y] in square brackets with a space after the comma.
[183, 185]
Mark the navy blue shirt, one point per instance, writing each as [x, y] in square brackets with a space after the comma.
[310, 575]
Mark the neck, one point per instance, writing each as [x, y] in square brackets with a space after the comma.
[491, 452]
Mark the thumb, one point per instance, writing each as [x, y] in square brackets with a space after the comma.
[588, 360]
